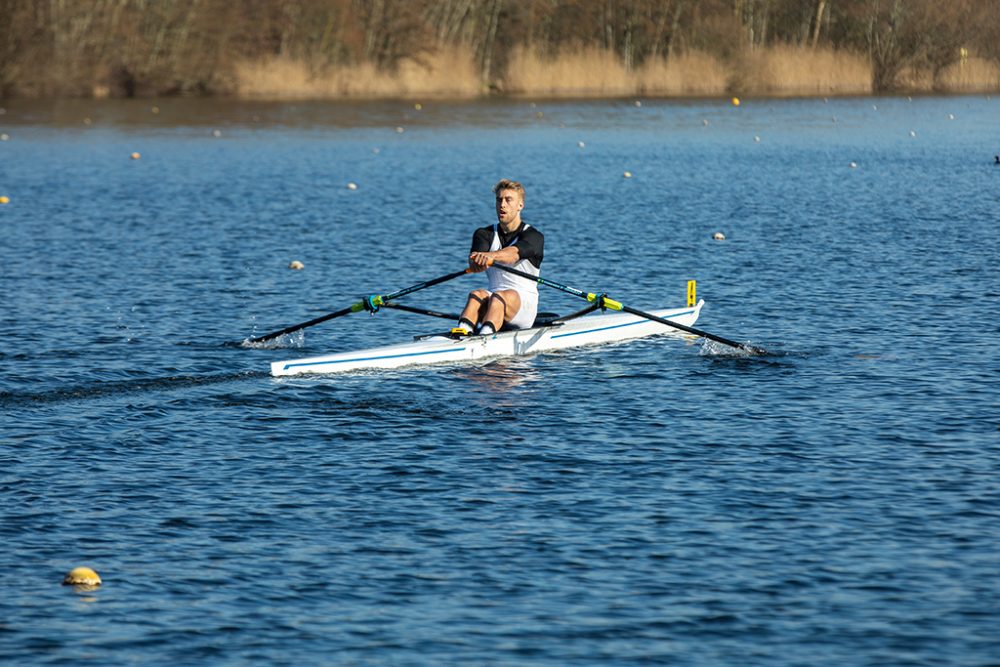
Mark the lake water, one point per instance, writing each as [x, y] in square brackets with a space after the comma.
[836, 502]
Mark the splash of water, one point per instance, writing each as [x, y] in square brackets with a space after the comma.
[293, 340]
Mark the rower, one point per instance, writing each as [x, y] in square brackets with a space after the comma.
[510, 300]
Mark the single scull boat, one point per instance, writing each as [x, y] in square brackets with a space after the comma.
[555, 335]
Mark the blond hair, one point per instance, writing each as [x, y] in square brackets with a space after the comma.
[507, 184]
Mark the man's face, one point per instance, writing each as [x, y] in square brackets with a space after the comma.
[509, 205]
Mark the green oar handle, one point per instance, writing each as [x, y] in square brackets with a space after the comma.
[372, 301]
[615, 305]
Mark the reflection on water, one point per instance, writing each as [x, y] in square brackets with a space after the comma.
[499, 379]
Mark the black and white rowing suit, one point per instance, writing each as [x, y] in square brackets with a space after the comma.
[530, 246]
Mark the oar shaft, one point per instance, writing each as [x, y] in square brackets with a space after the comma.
[615, 305]
[692, 330]
[360, 305]
[302, 325]
[428, 283]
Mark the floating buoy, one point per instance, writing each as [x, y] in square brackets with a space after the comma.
[296, 265]
[135, 156]
[418, 106]
[756, 139]
[912, 133]
[400, 130]
[704, 121]
[216, 133]
[82, 576]
[627, 174]
[874, 107]
[376, 150]
[155, 109]
[736, 101]
[854, 165]
[86, 121]
[4, 199]
[719, 236]
[580, 144]
[352, 186]
[951, 116]
[539, 114]
[638, 103]
[4, 137]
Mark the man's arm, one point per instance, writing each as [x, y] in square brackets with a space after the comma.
[479, 261]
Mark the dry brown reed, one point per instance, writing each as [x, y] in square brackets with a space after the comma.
[448, 72]
[592, 72]
[975, 75]
[789, 70]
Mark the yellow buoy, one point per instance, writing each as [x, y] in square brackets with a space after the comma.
[296, 265]
[82, 576]
[418, 106]
[135, 156]
[736, 101]
[4, 200]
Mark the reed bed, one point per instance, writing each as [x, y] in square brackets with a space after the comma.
[777, 71]
[448, 72]
[794, 71]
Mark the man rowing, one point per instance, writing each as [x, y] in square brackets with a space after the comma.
[510, 300]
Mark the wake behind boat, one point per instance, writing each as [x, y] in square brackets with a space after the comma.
[554, 335]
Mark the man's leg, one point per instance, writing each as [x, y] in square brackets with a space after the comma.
[475, 309]
[502, 307]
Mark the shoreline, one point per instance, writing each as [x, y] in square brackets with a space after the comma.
[778, 72]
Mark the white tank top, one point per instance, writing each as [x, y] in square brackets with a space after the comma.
[501, 279]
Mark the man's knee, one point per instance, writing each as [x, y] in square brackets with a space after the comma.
[479, 295]
[511, 301]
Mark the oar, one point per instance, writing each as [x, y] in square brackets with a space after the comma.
[370, 303]
[615, 305]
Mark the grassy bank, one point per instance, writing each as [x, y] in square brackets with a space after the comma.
[451, 72]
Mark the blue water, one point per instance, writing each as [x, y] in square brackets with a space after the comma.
[836, 502]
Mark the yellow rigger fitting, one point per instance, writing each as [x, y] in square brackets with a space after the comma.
[605, 301]
[692, 292]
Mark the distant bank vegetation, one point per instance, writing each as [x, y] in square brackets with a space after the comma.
[384, 48]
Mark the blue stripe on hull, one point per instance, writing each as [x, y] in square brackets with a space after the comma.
[388, 356]
[617, 326]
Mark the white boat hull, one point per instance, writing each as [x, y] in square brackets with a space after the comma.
[588, 330]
